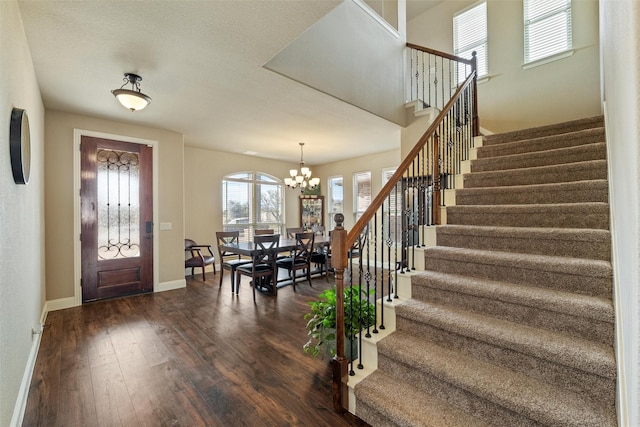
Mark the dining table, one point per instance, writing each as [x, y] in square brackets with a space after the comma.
[285, 245]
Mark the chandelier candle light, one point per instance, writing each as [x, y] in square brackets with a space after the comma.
[303, 180]
[132, 98]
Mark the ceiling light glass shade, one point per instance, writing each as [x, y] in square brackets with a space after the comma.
[303, 180]
[133, 98]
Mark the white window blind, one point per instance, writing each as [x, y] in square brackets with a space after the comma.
[250, 201]
[392, 221]
[336, 199]
[547, 28]
[361, 192]
[470, 34]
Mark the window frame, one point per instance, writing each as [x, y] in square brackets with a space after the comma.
[356, 211]
[331, 211]
[546, 17]
[466, 50]
[253, 181]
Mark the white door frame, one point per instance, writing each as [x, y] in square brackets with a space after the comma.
[77, 255]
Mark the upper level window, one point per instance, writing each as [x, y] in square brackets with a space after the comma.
[547, 28]
[335, 199]
[469, 35]
[252, 200]
[361, 193]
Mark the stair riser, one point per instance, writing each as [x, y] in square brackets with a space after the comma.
[542, 144]
[371, 416]
[519, 195]
[490, 412]
[554, 218]
[580, 282]
[555, 129]
[556, 157]
[588, 384]
[535, 245]
[566, 323]
[547, 175]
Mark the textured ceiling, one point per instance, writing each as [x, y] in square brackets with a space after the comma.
[202, 64]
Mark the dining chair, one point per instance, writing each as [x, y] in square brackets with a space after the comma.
[321, 257]
[291, 232]
[263, 232]
[228, 260]
[300, 258]
[262, 269]
[196, 257]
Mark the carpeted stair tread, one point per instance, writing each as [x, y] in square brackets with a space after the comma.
[554, 215]
[578, 353]
[586, 306]
[406, 405]
[563, 192]
[547, 130]
[583, 276]
[588, 136]
[578, 153]
[579, 171]
[581, 316]
[542, 402]
[567, 242]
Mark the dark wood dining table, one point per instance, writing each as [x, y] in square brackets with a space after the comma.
[248, 249]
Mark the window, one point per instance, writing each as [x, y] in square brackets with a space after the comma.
[392, 220]
[361, 193]
[335, 199]
[470, 34]
[547, 28]
[252, 200]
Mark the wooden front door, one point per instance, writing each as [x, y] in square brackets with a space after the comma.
[116, 218]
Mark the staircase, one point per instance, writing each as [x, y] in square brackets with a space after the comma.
[512, 321]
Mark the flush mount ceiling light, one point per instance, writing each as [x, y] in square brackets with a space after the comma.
[132, 98]
[303, 180]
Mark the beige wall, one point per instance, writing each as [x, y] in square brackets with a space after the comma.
[621, 36]
[346, 168]
[514, 98]
[204, 170]
[203, 174]
[59, 201]
[22, 268]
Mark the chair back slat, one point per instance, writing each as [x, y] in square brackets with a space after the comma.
[227, 238]
[266, 248]
[304, 246]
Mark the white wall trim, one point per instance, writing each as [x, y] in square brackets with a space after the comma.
[169, 286]
[621, 404]
[60, 304]
[23, 393]
[77, 273]
[380, 20]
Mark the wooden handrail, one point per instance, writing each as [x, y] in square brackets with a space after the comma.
[391, 183]
[438, 53]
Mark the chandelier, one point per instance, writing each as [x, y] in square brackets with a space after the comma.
[303, 180]
[133, 98]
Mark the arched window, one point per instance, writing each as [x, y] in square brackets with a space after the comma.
[252, 200]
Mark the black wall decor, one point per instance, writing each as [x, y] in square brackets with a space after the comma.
[20, 146]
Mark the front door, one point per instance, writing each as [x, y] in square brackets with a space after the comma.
[116, 218]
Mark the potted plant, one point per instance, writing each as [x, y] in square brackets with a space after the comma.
[359, 313]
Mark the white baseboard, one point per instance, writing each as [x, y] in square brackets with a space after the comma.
[60, 304]
[23, 393]
[169, 286]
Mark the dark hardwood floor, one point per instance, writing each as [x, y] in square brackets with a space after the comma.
[198, 356]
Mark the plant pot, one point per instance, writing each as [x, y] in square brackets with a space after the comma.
[351, 349]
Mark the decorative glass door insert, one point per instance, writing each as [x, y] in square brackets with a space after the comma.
[118, 175]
